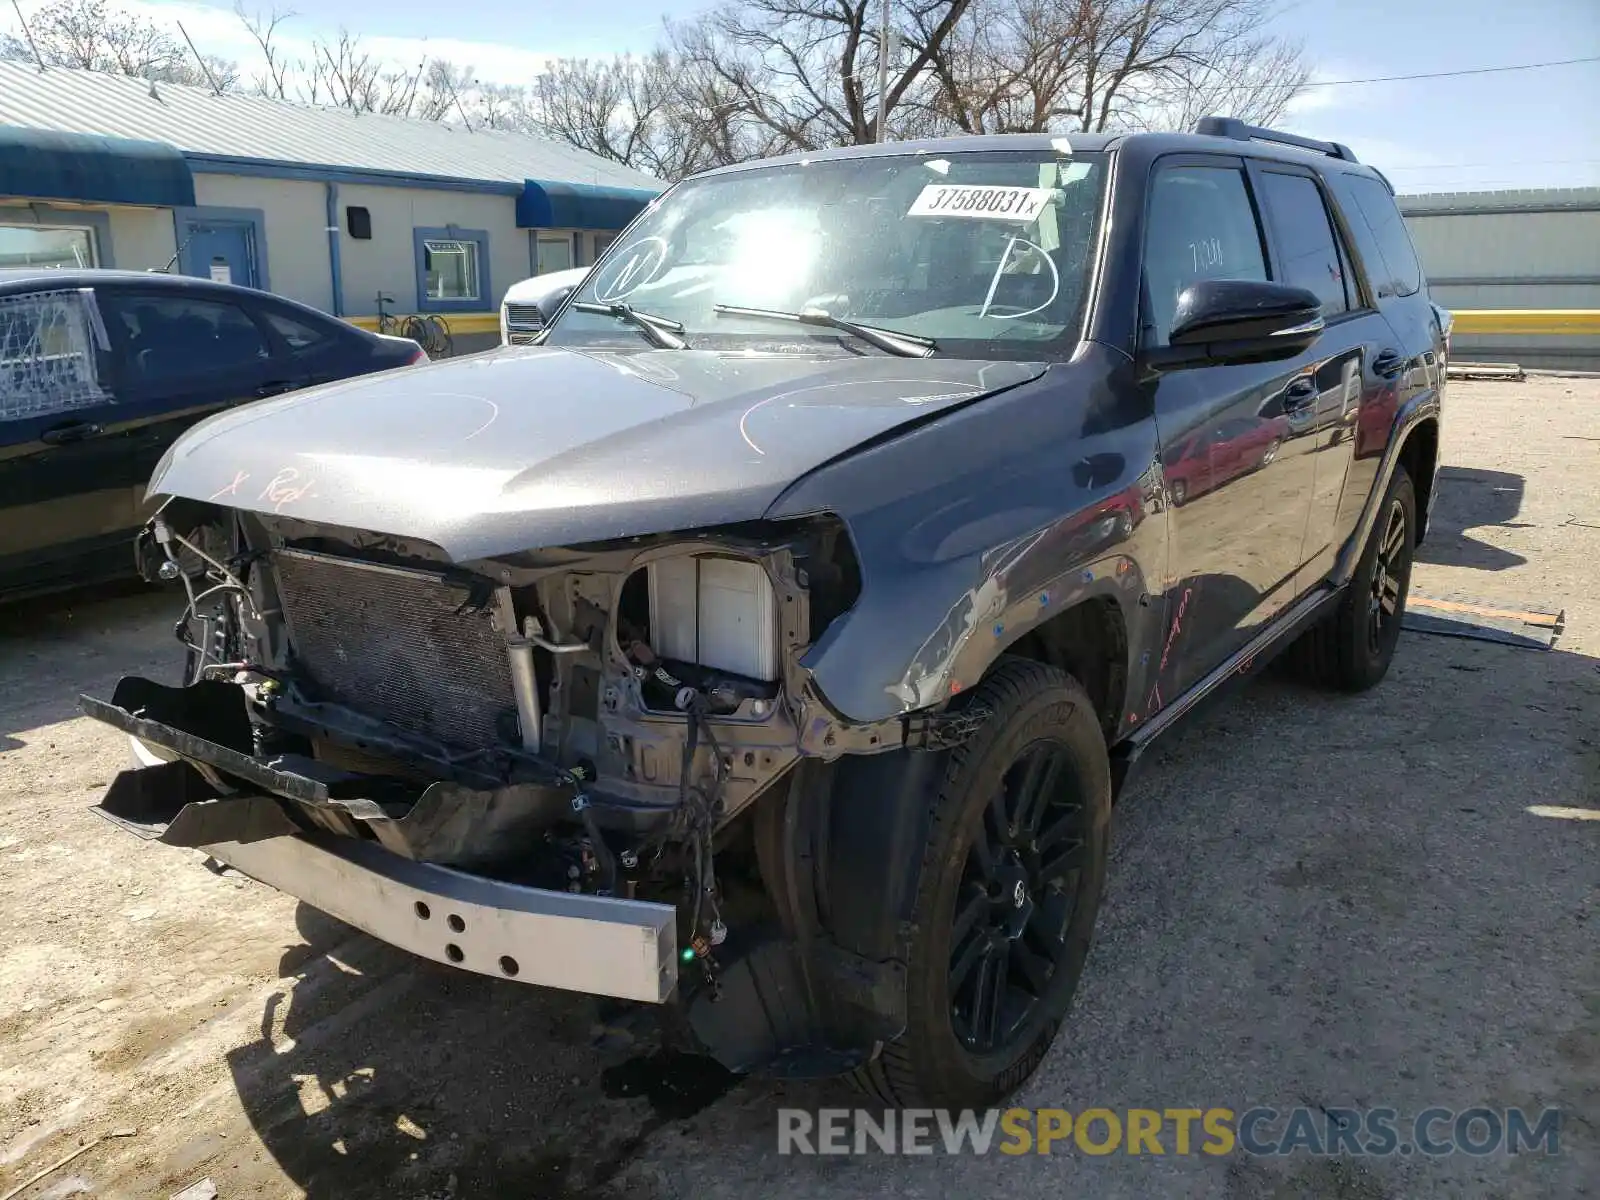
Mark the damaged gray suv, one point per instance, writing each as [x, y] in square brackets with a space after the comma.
[766, 643]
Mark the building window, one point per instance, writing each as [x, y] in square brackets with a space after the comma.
[46, 246]
[452, 270]
[554, 253]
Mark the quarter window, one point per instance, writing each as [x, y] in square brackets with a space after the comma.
[300, 337]
[1201, 226]
[1306, 239]
[1402, 273]
[51, 352]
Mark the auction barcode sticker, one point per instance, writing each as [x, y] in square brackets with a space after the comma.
[983, 203]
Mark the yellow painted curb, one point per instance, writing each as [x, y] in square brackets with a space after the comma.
[455, 322]
[1561, 321]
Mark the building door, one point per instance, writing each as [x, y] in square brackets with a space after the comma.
[553, 252]
[220, 250]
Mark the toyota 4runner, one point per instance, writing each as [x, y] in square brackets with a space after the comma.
[766, 643]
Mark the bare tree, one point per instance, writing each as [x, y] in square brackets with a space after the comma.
[807, 70]
[446, 92]
[1012, 67]
[772, 75]
[1030, 65]
[276, 65]
[1253, 80]
[92, 36]
[1142, 57]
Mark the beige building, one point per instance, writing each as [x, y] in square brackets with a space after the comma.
[320, 204]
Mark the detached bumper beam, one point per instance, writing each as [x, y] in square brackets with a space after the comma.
[600, 945]
[596, 944]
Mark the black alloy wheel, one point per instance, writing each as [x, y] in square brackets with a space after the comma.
[1352, 647]
[1016, 901]
[1390, 576]
[1012, 871]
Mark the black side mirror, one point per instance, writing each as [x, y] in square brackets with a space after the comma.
[1239, 320]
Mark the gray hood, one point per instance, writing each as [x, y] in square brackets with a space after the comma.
[528, 447]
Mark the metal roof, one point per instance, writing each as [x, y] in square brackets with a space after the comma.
[1535, 200]
[202, 124]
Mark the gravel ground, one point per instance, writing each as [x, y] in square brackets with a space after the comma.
[1313, 900]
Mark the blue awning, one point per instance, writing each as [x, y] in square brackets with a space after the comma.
[544, 205]
[42, 165]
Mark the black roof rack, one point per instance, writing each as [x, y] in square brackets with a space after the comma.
[1232, 127]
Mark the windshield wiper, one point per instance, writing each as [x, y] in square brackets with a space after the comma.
[907, 345]
[662, 331]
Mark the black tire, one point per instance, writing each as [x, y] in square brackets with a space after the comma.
[1351, 649]
[1042, 722]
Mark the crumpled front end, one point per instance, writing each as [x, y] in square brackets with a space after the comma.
[378, 731]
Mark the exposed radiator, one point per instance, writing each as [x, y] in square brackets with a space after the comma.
[393, 644]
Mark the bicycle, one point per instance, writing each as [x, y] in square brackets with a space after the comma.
[387, 323]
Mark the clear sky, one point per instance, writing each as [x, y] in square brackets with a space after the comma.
[1516, 129]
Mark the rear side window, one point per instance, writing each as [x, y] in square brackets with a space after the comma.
[173, 337]
[1201, 226]
[52, 354]
[1306, 239]
[301, 337]
[1399, 274]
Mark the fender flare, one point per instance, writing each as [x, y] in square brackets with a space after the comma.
[1413, 414]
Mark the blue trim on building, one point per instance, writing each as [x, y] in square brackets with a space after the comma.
[548, 205]
[335, 264]
[255, 218]
[483, 299]
[88, 167]
[46, 217]
[222, 164]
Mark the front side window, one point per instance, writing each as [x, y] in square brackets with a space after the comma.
[451, 269]
[987, 254]
[1306, 240]
[1200, 225]
[170, 337]
[39, 246]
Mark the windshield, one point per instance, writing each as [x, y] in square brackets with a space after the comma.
[987, 254]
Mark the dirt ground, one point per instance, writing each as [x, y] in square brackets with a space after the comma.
[1313, 900]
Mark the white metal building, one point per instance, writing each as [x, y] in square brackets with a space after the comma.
[319, 204]
[1530, 249]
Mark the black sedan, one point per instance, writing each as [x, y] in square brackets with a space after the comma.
[101, 370]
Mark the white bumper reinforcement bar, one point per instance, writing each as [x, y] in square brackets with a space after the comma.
[597, 944]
